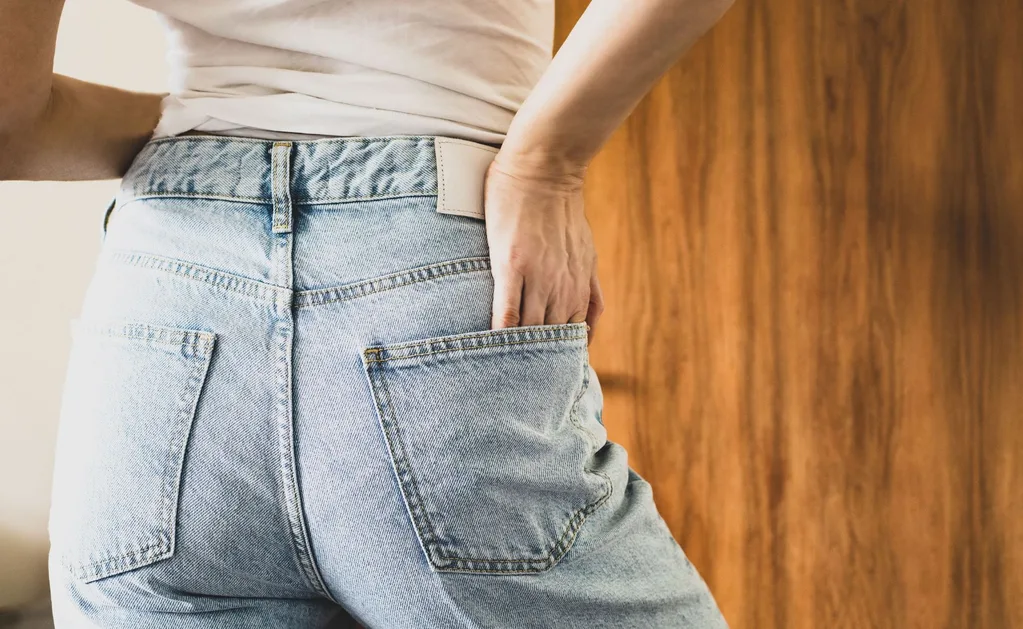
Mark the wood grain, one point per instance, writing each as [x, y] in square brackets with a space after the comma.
[811, 245]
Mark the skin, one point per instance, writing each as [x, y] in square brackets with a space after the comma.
[54, 127]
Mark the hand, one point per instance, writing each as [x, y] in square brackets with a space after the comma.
[541, 247]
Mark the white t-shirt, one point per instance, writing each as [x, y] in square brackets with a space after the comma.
[292, 68]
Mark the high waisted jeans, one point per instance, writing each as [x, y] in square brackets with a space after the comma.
[284, 403]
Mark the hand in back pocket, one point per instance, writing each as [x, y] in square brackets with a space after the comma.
[491, 456]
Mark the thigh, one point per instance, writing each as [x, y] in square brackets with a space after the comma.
[624, 571]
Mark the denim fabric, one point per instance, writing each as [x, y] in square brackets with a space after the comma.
[284, 403]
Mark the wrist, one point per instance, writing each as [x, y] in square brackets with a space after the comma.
[538, 162]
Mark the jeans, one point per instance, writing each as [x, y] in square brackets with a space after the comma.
[284, 404]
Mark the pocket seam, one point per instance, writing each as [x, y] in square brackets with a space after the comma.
[578, 424]
[425, 529]
[201, 342]
[477, 340]
[152, 333]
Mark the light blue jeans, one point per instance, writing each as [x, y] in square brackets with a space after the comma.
[284, 404]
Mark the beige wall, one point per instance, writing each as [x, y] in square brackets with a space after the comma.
[50, 242]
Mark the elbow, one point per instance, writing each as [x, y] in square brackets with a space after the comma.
[6, 147]
[22, 110]
[19, 124]
[10, 121]
[16, 133]
[9, 139]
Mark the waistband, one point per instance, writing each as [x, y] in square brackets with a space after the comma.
[320, 171]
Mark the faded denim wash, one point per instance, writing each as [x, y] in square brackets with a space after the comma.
[284, 403]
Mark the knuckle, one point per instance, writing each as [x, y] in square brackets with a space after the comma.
[508, 318]
[585, 297]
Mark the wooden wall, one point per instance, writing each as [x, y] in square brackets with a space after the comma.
[811, 244]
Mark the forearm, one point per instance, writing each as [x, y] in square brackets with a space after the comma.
[82, 131]
[614, 55]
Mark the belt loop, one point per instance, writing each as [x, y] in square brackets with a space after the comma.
[280, 176]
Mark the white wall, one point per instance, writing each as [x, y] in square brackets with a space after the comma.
[48, 244]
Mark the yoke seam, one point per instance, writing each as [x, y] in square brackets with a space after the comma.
[196, 272]
[302, 299]
[363, 288]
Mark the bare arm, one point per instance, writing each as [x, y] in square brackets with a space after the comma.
[54, 127]
[614, 55]
[541, 247]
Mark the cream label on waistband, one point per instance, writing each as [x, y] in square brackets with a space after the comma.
[461, 169]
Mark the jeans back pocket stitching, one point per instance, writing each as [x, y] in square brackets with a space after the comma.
[575, 414]
[475, 340]
[417, 511]
[415, 503]
[202, 341]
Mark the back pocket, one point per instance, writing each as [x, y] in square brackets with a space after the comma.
[129, 398]
[488, 445]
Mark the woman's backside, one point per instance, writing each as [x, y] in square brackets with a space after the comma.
[333, 361]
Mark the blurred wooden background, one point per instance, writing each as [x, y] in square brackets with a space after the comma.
[811, 245]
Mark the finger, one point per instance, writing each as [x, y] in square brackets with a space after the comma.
[578, 317]
[534, 303]
[507, 299]
[566, 309]
[577, 307]
[596, 305]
